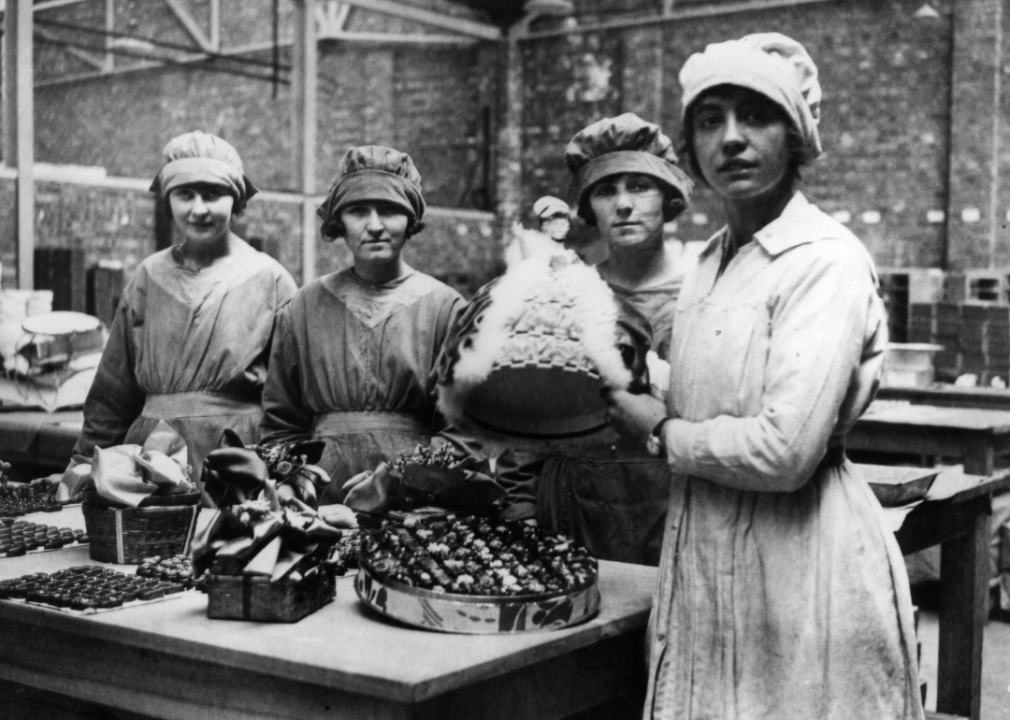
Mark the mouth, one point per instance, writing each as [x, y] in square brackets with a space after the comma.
[626, 224]
[736, 165]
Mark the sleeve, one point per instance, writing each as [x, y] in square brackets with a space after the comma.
[519, 473]
[446, 321]
[285, 415]
[284, 290]
[818, 323]
[467, 451]
[115, 399]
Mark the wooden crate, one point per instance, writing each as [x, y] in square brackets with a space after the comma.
[251, 597]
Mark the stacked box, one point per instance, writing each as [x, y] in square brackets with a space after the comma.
[983, 286]
[925, 285]
[985, 341]
[894, 292]
[105, 287]
[948, 334]
[922, 323]
[975, 338]
[62, 271]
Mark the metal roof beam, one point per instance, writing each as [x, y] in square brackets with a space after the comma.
[182, 13]
[463, 26]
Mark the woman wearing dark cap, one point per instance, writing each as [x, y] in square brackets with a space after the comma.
[355, 349]
[782, 591]
[612, 499]
[191, 337]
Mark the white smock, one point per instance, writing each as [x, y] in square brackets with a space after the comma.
[782, 592]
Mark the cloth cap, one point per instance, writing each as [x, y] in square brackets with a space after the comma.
[549, 205]
[198, 157]
[624, 144]
[772, 64]
[376, 173]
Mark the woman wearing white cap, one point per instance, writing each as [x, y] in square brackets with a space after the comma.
[782, 590]
[191, 337]
[355, 349]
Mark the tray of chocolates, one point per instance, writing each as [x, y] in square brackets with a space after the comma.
[176, 569]
[470, 574]
[38, 496]
[20, 537]
[87, 589]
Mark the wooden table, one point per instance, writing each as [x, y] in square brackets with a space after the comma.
[956, 517]
[976, 436]
[947, 395]
[39, 439]
[168, 660]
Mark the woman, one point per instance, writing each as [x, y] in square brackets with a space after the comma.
[612, 499]
[191, 337]
[782, 591]
[355, 348]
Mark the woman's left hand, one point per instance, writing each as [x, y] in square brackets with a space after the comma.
[633, 416]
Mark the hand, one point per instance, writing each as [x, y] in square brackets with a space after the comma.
[339, 516]
[372, 493]
[633, 416]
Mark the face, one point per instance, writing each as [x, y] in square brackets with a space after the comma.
[741, 143]
[556, 227]
[202, 211]
[628, 209]
[375, 231]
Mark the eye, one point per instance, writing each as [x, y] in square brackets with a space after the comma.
[603, 190]
[758, 114]
[387, 211]
[640, 186]
[706, 120]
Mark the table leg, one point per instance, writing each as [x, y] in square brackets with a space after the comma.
[978, 457]
[964, 583]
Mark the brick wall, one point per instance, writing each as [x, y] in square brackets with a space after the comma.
[425, 100]
[885, 111]
[887, 124]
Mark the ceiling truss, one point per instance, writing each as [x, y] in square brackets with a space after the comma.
[330, 17]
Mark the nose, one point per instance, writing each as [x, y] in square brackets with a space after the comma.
[374, 222]
[733, 139]
[623, 202]
[199, 206]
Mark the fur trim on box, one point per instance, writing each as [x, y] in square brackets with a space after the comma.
[589, 306]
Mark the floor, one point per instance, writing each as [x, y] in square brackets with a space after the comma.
[995, 658]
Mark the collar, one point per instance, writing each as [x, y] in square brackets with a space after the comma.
[800, 222]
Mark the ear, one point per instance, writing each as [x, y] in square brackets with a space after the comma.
[673, 207]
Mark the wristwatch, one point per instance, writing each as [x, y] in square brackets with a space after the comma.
[655, 444]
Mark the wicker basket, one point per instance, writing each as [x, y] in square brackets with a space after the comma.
[245, 597]
[160, 526]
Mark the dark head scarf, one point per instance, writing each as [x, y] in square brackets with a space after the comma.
[624, 144]
[376, 173]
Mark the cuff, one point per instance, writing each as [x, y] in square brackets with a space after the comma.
[519, 511]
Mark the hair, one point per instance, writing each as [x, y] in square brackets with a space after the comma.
[795, 144]
[673, 203]
[334, 227]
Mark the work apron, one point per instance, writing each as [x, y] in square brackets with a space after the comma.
[359, 441]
